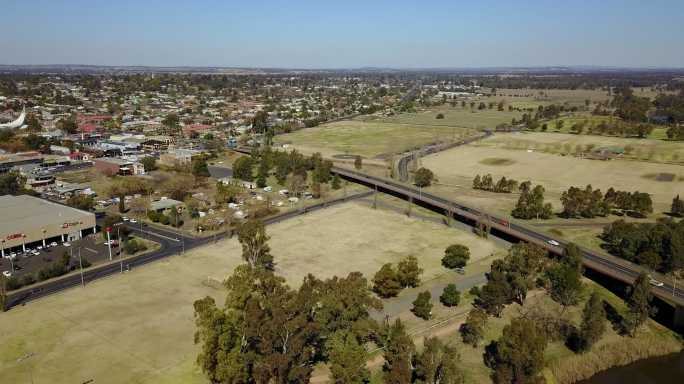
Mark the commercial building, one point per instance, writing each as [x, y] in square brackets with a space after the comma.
[117, 166]
[28, 221]
[178, 156]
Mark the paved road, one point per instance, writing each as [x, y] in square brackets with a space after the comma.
[171, 243]
[430, 149]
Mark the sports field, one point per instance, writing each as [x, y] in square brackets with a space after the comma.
[530, 157]
[369, 139]
[138, 327]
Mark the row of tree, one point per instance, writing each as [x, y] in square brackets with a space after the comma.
[589, 202]
[531, 203]
[291, 169]
[486, 183]
[659, 246]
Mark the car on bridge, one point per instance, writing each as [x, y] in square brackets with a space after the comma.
[553, 242]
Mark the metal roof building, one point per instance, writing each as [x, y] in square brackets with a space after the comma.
[26, 219]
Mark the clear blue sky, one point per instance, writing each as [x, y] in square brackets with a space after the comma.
[349, 33]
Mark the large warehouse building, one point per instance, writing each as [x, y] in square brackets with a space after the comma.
[27, 221]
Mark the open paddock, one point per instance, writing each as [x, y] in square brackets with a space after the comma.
[369, 139]
[456, 117]
[644, 150]
[456, 168]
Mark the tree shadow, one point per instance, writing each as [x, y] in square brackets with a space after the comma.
[615, 318]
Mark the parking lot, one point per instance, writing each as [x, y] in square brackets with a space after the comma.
[92, 248]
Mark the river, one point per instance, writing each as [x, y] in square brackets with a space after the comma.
[658, 370]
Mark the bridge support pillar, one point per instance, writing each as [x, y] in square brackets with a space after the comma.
[410, 203]
[375, 198]
[678, 321]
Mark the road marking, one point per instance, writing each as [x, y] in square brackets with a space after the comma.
[159, 235]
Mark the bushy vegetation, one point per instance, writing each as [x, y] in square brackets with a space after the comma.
[531, 204]
[589, 202]
[456, 256]
[388, 281]
[423, 177]
[486, 183]
[659, 246]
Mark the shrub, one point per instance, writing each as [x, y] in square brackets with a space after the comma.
[450, 296]
[422, 307]
[456, 256]
[386, 282]
[164, 219]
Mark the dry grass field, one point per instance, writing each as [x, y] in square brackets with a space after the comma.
[369, 139]
[525, 157]
[456, 117]
[138, 327]
[646, 150]
[531, 98]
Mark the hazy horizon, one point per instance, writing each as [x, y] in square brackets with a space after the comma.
[319, 35]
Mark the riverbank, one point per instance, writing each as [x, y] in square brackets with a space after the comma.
[576, 368]
[663, 369]
[613, 350]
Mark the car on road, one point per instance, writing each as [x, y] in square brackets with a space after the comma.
[133, 221]
[655, 283]
[7, 273]
[53, 244]
[268, 189]
[66, 244]
[553, 242]
[125, 218]
[460, 270]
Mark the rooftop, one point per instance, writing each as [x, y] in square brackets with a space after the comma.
[24, 212]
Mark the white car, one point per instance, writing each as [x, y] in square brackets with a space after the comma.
[35, 253]
[39, 247]
[66, 244]
[656, 283]
[7, 273]
[553, 242]
[124, 218]
[268, 189]
[53, 244]
[133, 221]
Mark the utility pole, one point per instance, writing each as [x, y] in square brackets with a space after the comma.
[109, 242]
